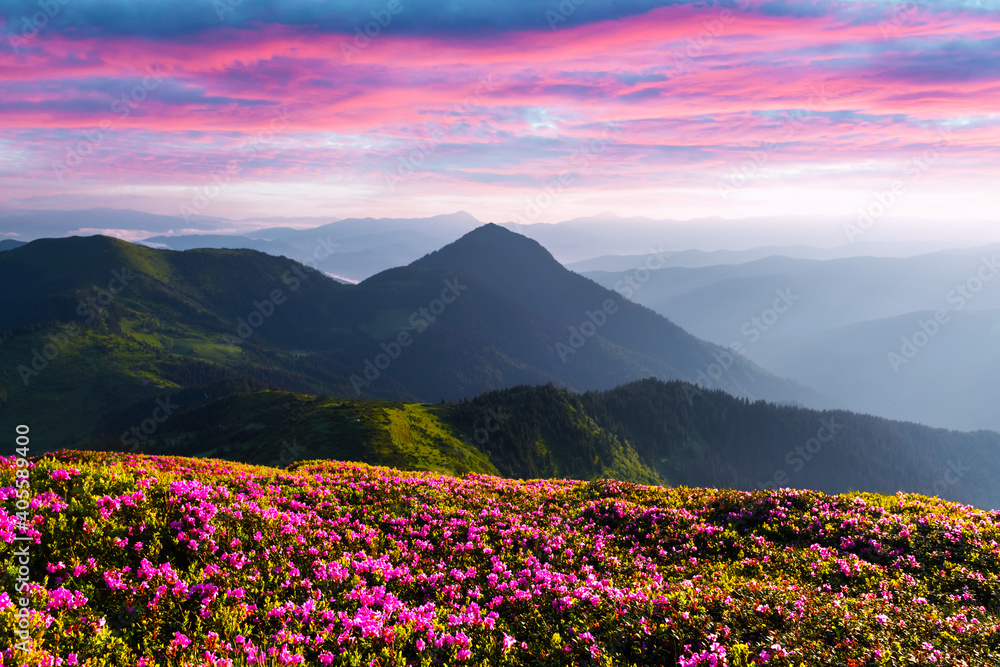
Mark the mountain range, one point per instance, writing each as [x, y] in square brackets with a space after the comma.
[9, 244]
[852, 320]
[485, 355]
[353, 249]
[97, 323]
[914, 338]
[350, 250]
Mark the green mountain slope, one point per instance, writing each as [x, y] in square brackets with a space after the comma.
[647, 432]
[91, 325]
[685, 436]
[99, 336]
[277, 428]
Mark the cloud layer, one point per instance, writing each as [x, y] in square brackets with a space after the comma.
[406, 107]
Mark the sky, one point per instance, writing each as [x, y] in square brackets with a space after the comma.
[525, 111]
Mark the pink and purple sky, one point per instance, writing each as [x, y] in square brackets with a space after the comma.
[639, 107]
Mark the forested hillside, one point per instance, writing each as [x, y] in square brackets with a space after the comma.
[648, 432]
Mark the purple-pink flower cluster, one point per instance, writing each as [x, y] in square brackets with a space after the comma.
[202, 562]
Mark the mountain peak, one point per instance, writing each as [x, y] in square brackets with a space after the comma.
[463, 216]
[491, 228]
[505, 259]
[491, 250]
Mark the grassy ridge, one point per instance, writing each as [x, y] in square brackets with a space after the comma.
[278, 428]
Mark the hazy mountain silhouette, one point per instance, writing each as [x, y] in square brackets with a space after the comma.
[352, 249]
[10, 244]
[848, 316]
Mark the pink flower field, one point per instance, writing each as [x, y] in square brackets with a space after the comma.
[138, 560]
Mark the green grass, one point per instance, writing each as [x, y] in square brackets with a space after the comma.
[276, 428]
[64, 395]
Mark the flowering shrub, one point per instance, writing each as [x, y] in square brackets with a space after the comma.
[147, 561]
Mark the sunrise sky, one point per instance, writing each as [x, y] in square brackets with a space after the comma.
[242, 108]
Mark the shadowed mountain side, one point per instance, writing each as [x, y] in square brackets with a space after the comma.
[646, 432]
[98, 322]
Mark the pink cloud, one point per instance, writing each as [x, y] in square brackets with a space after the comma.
[694, 91]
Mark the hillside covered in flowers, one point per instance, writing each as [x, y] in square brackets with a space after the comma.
[141, 560]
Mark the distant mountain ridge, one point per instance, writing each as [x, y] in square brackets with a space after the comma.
[357, 248]
[353, 249]
[862, 330]
[588, 237]
[692, 259]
